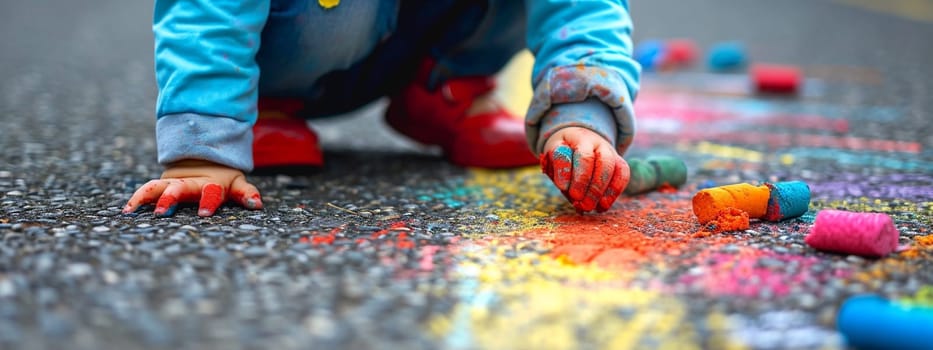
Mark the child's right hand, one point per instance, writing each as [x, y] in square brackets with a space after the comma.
[201, 181]
[585, 168]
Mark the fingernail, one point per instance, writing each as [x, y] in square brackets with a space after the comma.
[253, 203]
[165, 212]
[127, 209]
[205, 212]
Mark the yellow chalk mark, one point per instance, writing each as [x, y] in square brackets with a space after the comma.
[328, 4]
[924, 297]
[540, 302]
[729, 152]
[917, 10]
[523, 199]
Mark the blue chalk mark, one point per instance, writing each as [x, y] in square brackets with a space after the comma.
[564, 152]
[808, 217]
[863, 158]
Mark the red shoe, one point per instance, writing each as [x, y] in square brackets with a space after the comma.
[490, 140]
[282, 141]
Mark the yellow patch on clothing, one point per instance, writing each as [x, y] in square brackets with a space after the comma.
[328, 4]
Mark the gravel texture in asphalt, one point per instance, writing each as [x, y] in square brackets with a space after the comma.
[388, 246]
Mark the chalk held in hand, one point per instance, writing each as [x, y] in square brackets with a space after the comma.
[748, 198]
[650, 174]
[871, 322]
[865, 234]
[788, 200]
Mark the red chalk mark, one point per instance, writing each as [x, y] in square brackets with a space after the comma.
[619, 234]
[329, 238]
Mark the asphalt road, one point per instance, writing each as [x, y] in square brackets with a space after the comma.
[371, 251]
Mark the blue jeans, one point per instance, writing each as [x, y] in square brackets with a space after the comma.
[340, 59]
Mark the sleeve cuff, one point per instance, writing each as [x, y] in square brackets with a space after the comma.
[566, 85]
[217, 139]
[591, 114]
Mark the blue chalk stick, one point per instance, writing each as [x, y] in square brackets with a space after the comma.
[726, 56]
[649, 53]
[872, 322]
[788, 199]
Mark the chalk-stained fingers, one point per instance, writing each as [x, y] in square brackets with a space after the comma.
[146, 194]
[604, 160]
[177, 192]
[620, 178]
[245, 194]
[561, 166]
[584, 162]
[212, 197]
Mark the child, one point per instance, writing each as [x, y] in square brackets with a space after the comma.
[236, 79]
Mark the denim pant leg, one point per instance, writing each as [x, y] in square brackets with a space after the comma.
[498, 36]
[302, 41]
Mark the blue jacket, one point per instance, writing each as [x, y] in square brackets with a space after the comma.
[208, 77]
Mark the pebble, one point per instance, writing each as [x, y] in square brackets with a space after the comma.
[255, 251]
[249, 227]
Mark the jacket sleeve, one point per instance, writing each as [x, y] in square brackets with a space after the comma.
[208, 78]
[582, 54]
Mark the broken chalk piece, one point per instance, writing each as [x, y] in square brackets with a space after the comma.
[789, 199]
[730, 219]
[746, 197]
[777, 79]
[865, 234]
[872, 322]
[654, 172]
[726, 56]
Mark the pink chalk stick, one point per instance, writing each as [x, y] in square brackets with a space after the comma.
[865, 234]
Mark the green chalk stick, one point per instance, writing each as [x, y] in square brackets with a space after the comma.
[651, 173]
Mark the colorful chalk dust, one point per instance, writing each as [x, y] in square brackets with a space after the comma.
[531, 273]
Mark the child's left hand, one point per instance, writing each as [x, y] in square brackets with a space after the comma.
[585, 167]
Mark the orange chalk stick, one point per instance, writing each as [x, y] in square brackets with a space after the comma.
[751, 199]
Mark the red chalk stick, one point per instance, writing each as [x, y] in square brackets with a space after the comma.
[866, 234]
[773, 78]
[680, 52]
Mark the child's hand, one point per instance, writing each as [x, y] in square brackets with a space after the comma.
[201, 181]
[585, 168]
